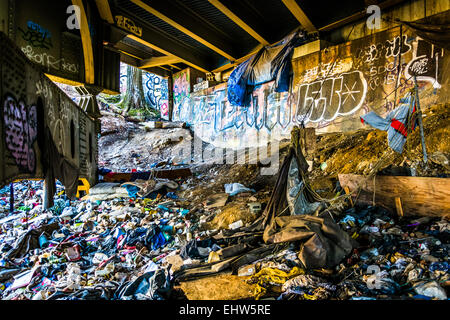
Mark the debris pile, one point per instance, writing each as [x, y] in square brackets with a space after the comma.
[143, 248]
[225, 232]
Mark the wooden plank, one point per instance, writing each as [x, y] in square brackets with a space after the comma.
[424, 196]
[173, 174]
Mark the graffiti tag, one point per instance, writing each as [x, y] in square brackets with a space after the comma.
[156, 91]
[327, 99]
[425, 63]
[49, 61]
[369, 55]
[128, 24]
[181, 86]
[37, 36]
[20, 132]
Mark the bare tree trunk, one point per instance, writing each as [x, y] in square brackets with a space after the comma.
[134, 96]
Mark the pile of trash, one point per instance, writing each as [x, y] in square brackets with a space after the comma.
[115, 243]
[140, 248]
[86, 250]
[390, 259]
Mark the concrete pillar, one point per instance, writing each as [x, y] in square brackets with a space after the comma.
[48, 196]
[170, 91]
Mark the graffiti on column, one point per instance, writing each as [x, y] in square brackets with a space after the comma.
[181, 87]
[20, 132]
[36, 36]
[156, 91]
[37, 43]
[123, 78]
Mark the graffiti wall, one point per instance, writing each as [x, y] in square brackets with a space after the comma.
[39, 35]
[336, 86]
[331, 89]
[30, 103]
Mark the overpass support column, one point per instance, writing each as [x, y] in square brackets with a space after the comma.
[170, 91]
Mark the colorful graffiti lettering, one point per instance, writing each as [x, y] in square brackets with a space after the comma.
[181, 86]
[267, 109]
[20, 132]
[339, 85]
[156, 91]
[37, 36]
[317, 101]
[165, 111]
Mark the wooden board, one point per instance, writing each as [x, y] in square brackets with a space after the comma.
[419, 195]
[216, 200]
[173, 174]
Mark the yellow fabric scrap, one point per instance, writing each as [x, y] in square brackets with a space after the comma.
[396, 256]
[272, 276]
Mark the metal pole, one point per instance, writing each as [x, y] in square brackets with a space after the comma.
[48, 197]
[11, 198]
[419, 112]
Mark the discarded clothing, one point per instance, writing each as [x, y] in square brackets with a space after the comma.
[324, 243]
[396, 123]
[56, 166]
[132, 190]
[30, 240]
[307, 282]
[153, 285]
[190, 250]
[143, 188]
[272, 276]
